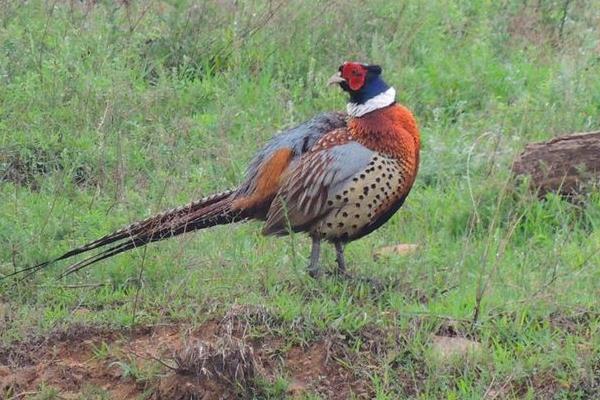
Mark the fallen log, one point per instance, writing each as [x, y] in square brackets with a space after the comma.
[566, 164]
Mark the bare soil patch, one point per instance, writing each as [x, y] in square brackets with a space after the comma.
[217, 360]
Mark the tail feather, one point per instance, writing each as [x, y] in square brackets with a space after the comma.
[209, 211]
[120, 248]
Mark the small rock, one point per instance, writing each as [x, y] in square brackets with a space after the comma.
[400, 249]
[446, 347]
[81, 311]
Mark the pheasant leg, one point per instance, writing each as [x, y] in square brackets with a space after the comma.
[313, 267]
[339, 257]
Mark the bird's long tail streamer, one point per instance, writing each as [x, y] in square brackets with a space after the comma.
[209, 211]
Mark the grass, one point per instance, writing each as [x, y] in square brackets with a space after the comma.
[111, 112]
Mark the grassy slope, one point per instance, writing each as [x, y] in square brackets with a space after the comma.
[110, 113]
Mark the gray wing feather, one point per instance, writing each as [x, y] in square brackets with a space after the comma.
[299, 139]
[318, 176]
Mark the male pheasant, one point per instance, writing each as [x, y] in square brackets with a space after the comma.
[336, 177]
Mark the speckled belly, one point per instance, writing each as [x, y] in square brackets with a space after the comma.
[365, 197]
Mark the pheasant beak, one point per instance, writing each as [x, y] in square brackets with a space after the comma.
[336, 78]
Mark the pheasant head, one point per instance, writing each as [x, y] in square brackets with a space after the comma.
[367, 90]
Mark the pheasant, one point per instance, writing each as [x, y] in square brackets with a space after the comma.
[336, 177]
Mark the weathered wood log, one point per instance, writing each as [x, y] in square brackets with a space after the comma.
[566, 164]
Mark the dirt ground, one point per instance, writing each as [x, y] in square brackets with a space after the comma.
[217, 360]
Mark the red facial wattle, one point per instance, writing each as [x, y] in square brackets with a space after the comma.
[354, 74]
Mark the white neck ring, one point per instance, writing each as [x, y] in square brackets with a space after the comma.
[383, 99]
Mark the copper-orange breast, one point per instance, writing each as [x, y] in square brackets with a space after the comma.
[393, 132]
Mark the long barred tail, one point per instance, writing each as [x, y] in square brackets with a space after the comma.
[204, 213]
